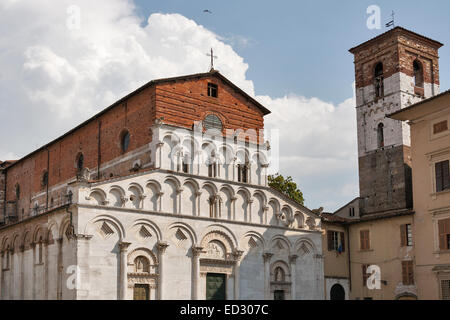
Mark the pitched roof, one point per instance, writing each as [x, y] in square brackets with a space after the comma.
[432, 42]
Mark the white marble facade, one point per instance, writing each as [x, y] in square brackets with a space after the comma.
[171, 224]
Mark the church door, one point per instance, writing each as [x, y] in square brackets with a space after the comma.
[141, 292]
[278, 295]
[215, 286]
[337, 292]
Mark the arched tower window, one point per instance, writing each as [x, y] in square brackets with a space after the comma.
[380, 132]
[17, 192]
[44, 180]
[379, 80]
[418, 74]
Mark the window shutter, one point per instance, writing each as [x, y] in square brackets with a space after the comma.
[438, 169]
[361, 239]
[330, 240]
[342, 241]
[445, 175]
[403, 235]
[441, 227]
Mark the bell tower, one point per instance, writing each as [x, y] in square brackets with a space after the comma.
[392, 71]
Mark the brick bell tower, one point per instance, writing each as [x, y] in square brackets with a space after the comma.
[392, 71]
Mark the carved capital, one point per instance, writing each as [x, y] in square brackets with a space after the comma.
[198, 193]
[233, 198]
[162, 246]
[197, 250]
[293, 258]
[123, 246]
[267, 256]
[237, 254]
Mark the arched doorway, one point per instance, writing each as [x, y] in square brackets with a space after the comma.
[337, 292]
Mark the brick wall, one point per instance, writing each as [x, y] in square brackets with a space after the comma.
[181, 102]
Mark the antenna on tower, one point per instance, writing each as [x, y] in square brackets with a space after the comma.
[392, 22]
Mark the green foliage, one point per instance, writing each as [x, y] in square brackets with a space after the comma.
[286, 186]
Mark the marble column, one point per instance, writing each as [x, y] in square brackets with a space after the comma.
[233, 208]
[196, 251]
[123, 246]
[237, 254]
[267, 256]
[21, 268]
[33, 281]
[292, 261]
[162, 246]
[60, 269]
[198, 198]
[159, 151]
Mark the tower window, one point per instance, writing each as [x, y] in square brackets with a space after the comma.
[125, 140]
[380, 132]
[212, 170]
[212, 90]
[442, 173]
[379, 81]
[418, 74]
[212, 122]
[242, 173]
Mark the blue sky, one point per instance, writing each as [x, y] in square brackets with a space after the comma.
[302, 46]
[292, 56]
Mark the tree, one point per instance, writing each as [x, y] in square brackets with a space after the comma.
[286, 186]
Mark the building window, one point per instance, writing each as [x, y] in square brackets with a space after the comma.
[336, 241]
[365, 275]
[212, 90]
[380, 135]
[406, 235]
[212, 170]
[44, 180]
[440, 127]
[444, 234]
[278, 295]
[125, 140]
[418, 74]
[407, 273]
[242, 173]
[364, 239]
[379, 81]
[351, 212]
[185, 167]
[442, 176]
[445, 289]
[212, 122]
[80, 162]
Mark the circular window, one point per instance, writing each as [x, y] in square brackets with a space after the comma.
[125, 141]
[212, 122]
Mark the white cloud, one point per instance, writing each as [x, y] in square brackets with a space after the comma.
[53, 77]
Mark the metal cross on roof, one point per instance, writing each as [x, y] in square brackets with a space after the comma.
[212, 58]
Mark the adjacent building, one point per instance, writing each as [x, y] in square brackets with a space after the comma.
[430, 152]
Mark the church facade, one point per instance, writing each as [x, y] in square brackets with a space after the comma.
[163, 195]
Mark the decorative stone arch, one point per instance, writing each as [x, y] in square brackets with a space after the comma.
[38, 234]
[136, 194]
[17, 241]
[27, 239]
[89, 228]
[174, 180]
[154, 229]
[98, 195]
[65, 229]
[142, 269]
[286, 215]
[281, 242]
[155, 189]
[280, 280]
[252, 240]
[184, 227]
[305, 247]
[259, 157]
[299, 220]
[119, 194]
[226, 196]
[52, 233]
[221, 233]
[193, 182]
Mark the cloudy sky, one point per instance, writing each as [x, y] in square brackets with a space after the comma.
[63, 61]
